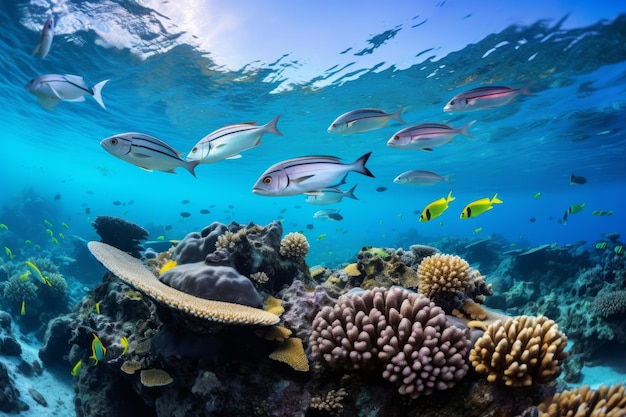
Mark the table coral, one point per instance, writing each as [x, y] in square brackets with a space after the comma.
[399, 332]
[585, 402]
[520, 351]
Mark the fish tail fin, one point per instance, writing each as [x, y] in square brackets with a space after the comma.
[525, 90]
[359, 165]
[272, 126]
[97, 93]
[191, 167]
[465, 130]
[398, 115]
[496, 200]
[450, 198]
[447, 178]
[350, 193]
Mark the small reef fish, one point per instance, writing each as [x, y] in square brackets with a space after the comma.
[97, 307]
[61, 235]
[124, 343]
[327, 215]
[160, 237]
[537, 195]
[485, 98]
[35, 271]
[76, 369]
[146, 152]
[478, 230]
[363, 120]
[602, 213]
[601, 245]
[9, 252]
[50, 232]
[322, 236]
[619, 250]
[47, 223]
[54, 240]
[426, 136]
[436, 208]
[573, 209]
[420, 178]
[98, 351]
[51, 89]
[307, 175]
[24, 276]
[167, 266]
[23, 309]
[476, 208]
[4, 226]
[229, 141]
[576, 180]
[331, 196]
[65, 226]
[45, 42]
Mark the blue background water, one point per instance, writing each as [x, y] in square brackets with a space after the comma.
[165, 83]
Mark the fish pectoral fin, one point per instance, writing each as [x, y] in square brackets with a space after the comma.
[56, 93]
[315, 193]
[145, 169]
[139, 155]
[301, 179]
[76, 100]
[426, 149]
[233, 157]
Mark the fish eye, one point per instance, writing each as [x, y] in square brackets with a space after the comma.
[452, 103]
[194, 150]
[396, 137]
[114, 141]
[267, 180]
[334, 124]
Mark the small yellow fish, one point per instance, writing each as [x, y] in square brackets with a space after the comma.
[168, 265]
[436, 208]
[25, 276]
[601, 245]
[4, 226]
[97, 307]
[76, 369]
[322, 236]
[537, 196]
[65, 226]
[160, 237]
[97, 349]
[50, 232]
[47, 223]
[28, 241]
[573, 209]
[61, 235]
[23, 310]
[478, 230]
[54, 241]
[33, 268]
[619, 250]
[124, 343]
[476, 208]
[9, 252]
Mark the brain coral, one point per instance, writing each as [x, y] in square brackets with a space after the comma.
[401, 333]
[520, 350]
[443, 274]
[610, 304]
[295, 246]
[583, 402]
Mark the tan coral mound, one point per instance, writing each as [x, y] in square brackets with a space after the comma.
[441, 273]
[155, 378]
[584, 402]
[610, 304]
[291, 352]
[134, 273]
[520, 350]
[294, 245]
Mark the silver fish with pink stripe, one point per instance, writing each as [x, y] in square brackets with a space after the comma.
[485, 98]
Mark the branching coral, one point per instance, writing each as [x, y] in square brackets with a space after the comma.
[331, 402]
[401, 333]
[584, 402]
[295, 246]
[229, 239]
[520, 351]
[443, 274]
[610, 304]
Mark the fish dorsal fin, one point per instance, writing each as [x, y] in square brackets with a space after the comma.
[74, 78]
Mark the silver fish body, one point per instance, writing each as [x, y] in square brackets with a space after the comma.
[146, 152]
[363, 120]
[45, 42]
[485, 98]
[420, 178]
[426, 136]
[330, 196]
[307, 175]
[51, 89]
[229, 141]
[327, 215]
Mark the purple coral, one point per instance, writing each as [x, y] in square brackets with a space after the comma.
[399, 332]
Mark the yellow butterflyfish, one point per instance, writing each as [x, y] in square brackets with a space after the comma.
[4, 226]
[573, 209]
[167, 266]
[54, 240]
[436, 208]
[65, 226]
[50, 232]
[160, 237]
[76, 369]
[322, 236]
[23, 309]
[537, 196]
[124, 343]
[97, 307]
[476, 208]
[61, 235]
[97, 349]
[9, 252]
[478, 230]
[25, 276]
[33, 268]
[47, 223]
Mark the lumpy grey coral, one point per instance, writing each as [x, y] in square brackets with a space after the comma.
[399, 332]
[120, 233]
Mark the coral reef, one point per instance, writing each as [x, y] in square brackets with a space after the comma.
[294, 245]
[520, 351]
[120, 233]
[402, 333]
[606, 401]
[610, 304]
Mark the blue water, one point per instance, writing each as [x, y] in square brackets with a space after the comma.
[164, 84]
